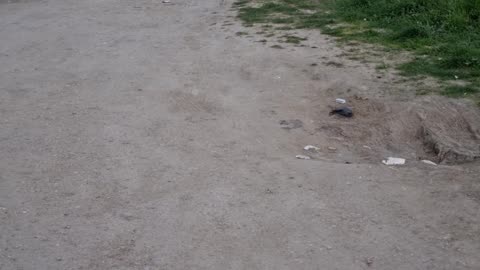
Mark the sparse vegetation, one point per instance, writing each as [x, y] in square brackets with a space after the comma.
[292, 39]
[443, 34]
[460, 91]
[276, 46]
[382, 66]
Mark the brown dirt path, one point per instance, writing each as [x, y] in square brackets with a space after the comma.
[144, 135]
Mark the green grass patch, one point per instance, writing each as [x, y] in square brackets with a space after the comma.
[443, 34]
[460, 91]
[264, 13]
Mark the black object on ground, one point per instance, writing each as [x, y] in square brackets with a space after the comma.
[343, 111]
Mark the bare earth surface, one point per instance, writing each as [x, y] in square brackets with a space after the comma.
[145, 135]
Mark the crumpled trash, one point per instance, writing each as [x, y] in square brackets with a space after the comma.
[394, 161]
[311, 147]
[340, 100]
[303, 157]
[343, 111]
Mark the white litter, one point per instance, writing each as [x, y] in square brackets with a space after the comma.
[311, 147]
[429, 162]
[394, 161]
[166, 1]
[303, 157]
[340, 100]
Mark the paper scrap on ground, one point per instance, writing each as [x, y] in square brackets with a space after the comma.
[394, 161]
[429, 162]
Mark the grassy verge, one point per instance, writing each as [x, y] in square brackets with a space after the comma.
[444, 35]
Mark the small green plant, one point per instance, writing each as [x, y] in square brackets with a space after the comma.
[240, 3]
[382, 66]
[292, 39]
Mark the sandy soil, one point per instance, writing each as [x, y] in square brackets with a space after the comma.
[144, 135]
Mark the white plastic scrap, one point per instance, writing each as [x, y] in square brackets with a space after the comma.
[429, 162]
[303, 157]
[311, 147]
[394, 161]
[340, 100]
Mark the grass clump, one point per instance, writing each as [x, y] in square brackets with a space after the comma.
[292, 39]
[444, 34]
[264, 13]
[460, 91]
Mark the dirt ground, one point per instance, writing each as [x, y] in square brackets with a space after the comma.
[137, 134]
